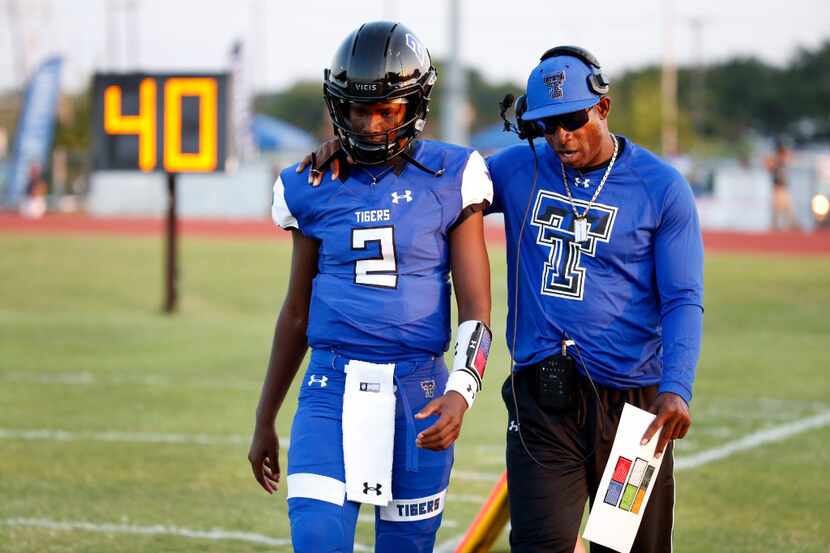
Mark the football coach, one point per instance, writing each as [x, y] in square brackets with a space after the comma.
[605, 303]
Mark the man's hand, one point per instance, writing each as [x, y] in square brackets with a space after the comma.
[672, 416]
[322, 160]
[264, 457]
[441, 435]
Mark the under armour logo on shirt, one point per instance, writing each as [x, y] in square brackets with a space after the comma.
[375, 488]
[321, 380]
[584, 183]
[407, 195]
[513, 427]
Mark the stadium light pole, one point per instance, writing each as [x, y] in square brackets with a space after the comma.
[111, 35]
[132, 34]
[17, 47]
[453, 124]
[699, 83]
[668, 83]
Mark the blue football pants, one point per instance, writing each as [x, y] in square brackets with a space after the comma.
[322, 520]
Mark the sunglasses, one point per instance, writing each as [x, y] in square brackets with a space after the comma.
[568, 121]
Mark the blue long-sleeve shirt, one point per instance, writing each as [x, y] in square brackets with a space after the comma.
[631, 296]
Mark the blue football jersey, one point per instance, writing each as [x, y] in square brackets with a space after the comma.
[382, 290]
[614, 292]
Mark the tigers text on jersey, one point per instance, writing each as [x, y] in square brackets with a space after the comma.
[642, 259]
[382, 290]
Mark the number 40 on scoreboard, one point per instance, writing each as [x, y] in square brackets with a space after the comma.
[175, 123]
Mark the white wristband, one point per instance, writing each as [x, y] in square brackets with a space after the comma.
[465, 384]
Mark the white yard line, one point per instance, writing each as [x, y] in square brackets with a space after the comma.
[84, 378]
[128, 437]
[215, 534]
[746, 443]
[751, 441]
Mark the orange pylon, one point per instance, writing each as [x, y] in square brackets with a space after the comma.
[489, 522]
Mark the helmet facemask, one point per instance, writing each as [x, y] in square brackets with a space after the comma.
[377, 147]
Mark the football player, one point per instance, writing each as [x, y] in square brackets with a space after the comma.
[369, 292]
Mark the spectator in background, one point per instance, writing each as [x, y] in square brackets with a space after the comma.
[34, 204]
[783, 215]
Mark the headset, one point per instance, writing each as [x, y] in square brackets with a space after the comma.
[598, 83]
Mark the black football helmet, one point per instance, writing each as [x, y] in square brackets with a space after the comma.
[378, 62]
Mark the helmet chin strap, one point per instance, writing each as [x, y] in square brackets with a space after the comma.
[407, 157]
[421, 166]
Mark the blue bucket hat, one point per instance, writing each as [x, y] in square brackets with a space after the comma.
[558, 85]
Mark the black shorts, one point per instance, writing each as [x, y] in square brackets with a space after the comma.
[547, 503]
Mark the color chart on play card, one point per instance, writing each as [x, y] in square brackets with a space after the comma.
[629, 484]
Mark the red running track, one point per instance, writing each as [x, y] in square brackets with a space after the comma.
[793, 243]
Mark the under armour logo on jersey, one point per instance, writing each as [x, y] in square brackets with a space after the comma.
[375, 488]
[554, 83]
[513, 426]
[407, 195]
[584, 183]
[428, 386]
[321, 380]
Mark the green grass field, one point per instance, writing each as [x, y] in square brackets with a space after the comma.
[122, 430]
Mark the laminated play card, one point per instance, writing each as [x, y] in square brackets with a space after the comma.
[626, 484]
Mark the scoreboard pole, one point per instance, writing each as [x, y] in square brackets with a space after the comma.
[166, 122]
[171, 266]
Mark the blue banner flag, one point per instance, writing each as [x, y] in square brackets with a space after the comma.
[35, 128]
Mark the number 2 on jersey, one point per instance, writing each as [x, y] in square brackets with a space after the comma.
[376, 271]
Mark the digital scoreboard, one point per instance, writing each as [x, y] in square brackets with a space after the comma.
[176, 123]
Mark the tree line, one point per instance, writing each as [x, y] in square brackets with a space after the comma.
[719, 105]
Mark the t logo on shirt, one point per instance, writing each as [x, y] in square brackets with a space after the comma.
[563, 275]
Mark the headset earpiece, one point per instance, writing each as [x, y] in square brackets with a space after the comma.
[528, 130]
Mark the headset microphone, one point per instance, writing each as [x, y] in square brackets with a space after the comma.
[504, 107]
